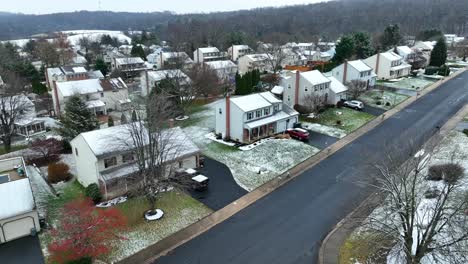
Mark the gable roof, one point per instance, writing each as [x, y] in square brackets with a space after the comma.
[359, 65]
[90, 86]
[257, 57]
[391, 56]
[404, 49]
[129, 60]
[163, 74]
[118, 139]
[336, 86]
[208, 49]
[216, 65]
[314, 77]
[256, 101]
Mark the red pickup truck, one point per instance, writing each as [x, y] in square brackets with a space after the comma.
[298, 133]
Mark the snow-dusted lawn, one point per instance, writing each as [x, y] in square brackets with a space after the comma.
[455, 142]
[372, 97]
[326, 130]
[350, 119]
[411, 83]
[180, 211]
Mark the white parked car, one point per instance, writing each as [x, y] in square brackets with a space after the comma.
[358, 105]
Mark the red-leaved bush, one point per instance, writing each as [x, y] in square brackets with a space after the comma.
[85, 231]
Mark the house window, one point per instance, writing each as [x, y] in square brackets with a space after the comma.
[128, 158]
[289, 98]
[76, 152]
[258, 113]
[266, 111]
[315, 88]
[249, 116]
[220, 111]
[289, 86]
[109, 162]
[276, 108]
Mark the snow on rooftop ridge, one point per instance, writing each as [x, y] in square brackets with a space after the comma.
[222, 64]
[255, 101]
[129, 60]
[314, 77]
[359, 65]
[336, 86]
[208, 49]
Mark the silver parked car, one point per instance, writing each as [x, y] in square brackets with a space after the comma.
[358, 105]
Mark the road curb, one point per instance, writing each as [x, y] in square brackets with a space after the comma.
[330, 247]
[166, 245]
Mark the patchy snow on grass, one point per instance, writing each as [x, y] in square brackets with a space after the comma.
[212, 136]
[348, 119]
[326, 130]
[271, 159]
[411, 83]
[372, 97]
[180, 211]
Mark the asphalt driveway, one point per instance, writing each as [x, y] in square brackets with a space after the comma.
[222, 188]
[21, 251]
[287, 226]
[320, 141]
[375, 111]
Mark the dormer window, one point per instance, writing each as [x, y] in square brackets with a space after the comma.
[249, 116]
[266, 111]
[258, 113]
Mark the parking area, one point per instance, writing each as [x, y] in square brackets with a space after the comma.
[21, 251]
[319, 140]
[222, 189]
[373, 110]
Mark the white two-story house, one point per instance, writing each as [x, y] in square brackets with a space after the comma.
[172, 60]
[237, 51]
[251, 62]
[131, 66]
[300, 86]
[248, 118]
[355, 70]
[201, 55]
[150, 79]
[107, 157]
[388, 65]
[69, 73]
[225, 69]
[100, 95]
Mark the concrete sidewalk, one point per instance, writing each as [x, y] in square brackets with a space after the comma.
[330, 249]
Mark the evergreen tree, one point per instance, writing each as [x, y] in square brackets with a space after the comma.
[100, 65]
[344, 49]
[110, 121]
[238, 82]
[77, 119]
[138, 51]
[38, 88]
[439, 53]
[134, 116]
[391, 37]
[362, 45]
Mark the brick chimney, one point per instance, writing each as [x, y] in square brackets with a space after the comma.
[345, 71]
[377, 62]
[228, 116]
[147, 83]
[57, 102]
[296, 94]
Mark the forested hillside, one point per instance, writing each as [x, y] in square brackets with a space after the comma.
[328, 19]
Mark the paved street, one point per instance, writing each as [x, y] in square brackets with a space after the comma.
[286, 226]
[222, 189]
[21, 251]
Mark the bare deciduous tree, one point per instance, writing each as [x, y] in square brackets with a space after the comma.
[422, 219]
[205, 80]
[13, 106]
[356, 88]
[313, 102]
[156, 147]
[275, 57]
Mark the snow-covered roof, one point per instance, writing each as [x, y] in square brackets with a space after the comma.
[15, 198]
[277, 90]
[79, 69]
[208, 50]
[400, 67]
[359, 65]
[257, 57]
[240, 47]
[270, 119]
[163, 74]
[78, 59]
[256, 101]
[336, 86]
[314, 77]
[392, 56]
[117, 139]
[200, 178]
[223, 64]
[95, 103]
[129, 60]
[404, 50]
[90, 86]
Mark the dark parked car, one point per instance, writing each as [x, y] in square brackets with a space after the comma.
[298, 133]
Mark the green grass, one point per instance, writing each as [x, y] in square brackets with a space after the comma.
[372, 97]
[465, 118]
[180, 210]
[350, 119]
[364, 248]
[194, 119]
[13, 148]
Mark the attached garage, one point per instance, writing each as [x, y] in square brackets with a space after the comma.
[18, 215]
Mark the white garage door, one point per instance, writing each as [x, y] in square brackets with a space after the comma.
[18, 228]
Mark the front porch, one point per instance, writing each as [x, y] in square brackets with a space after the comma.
[27, 129]
[256, 133]
[98, 107]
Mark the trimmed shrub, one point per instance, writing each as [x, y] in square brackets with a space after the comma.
[84, 260]
[378, 103]
[301, 109]
[465, 131]
[444, 70]
[450, 172]
[431, 70]
[338, 122]
[340, 104]
[387, 104]
[58, 172]
[93, 192]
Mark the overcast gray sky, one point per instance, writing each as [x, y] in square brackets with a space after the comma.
[179, 6]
